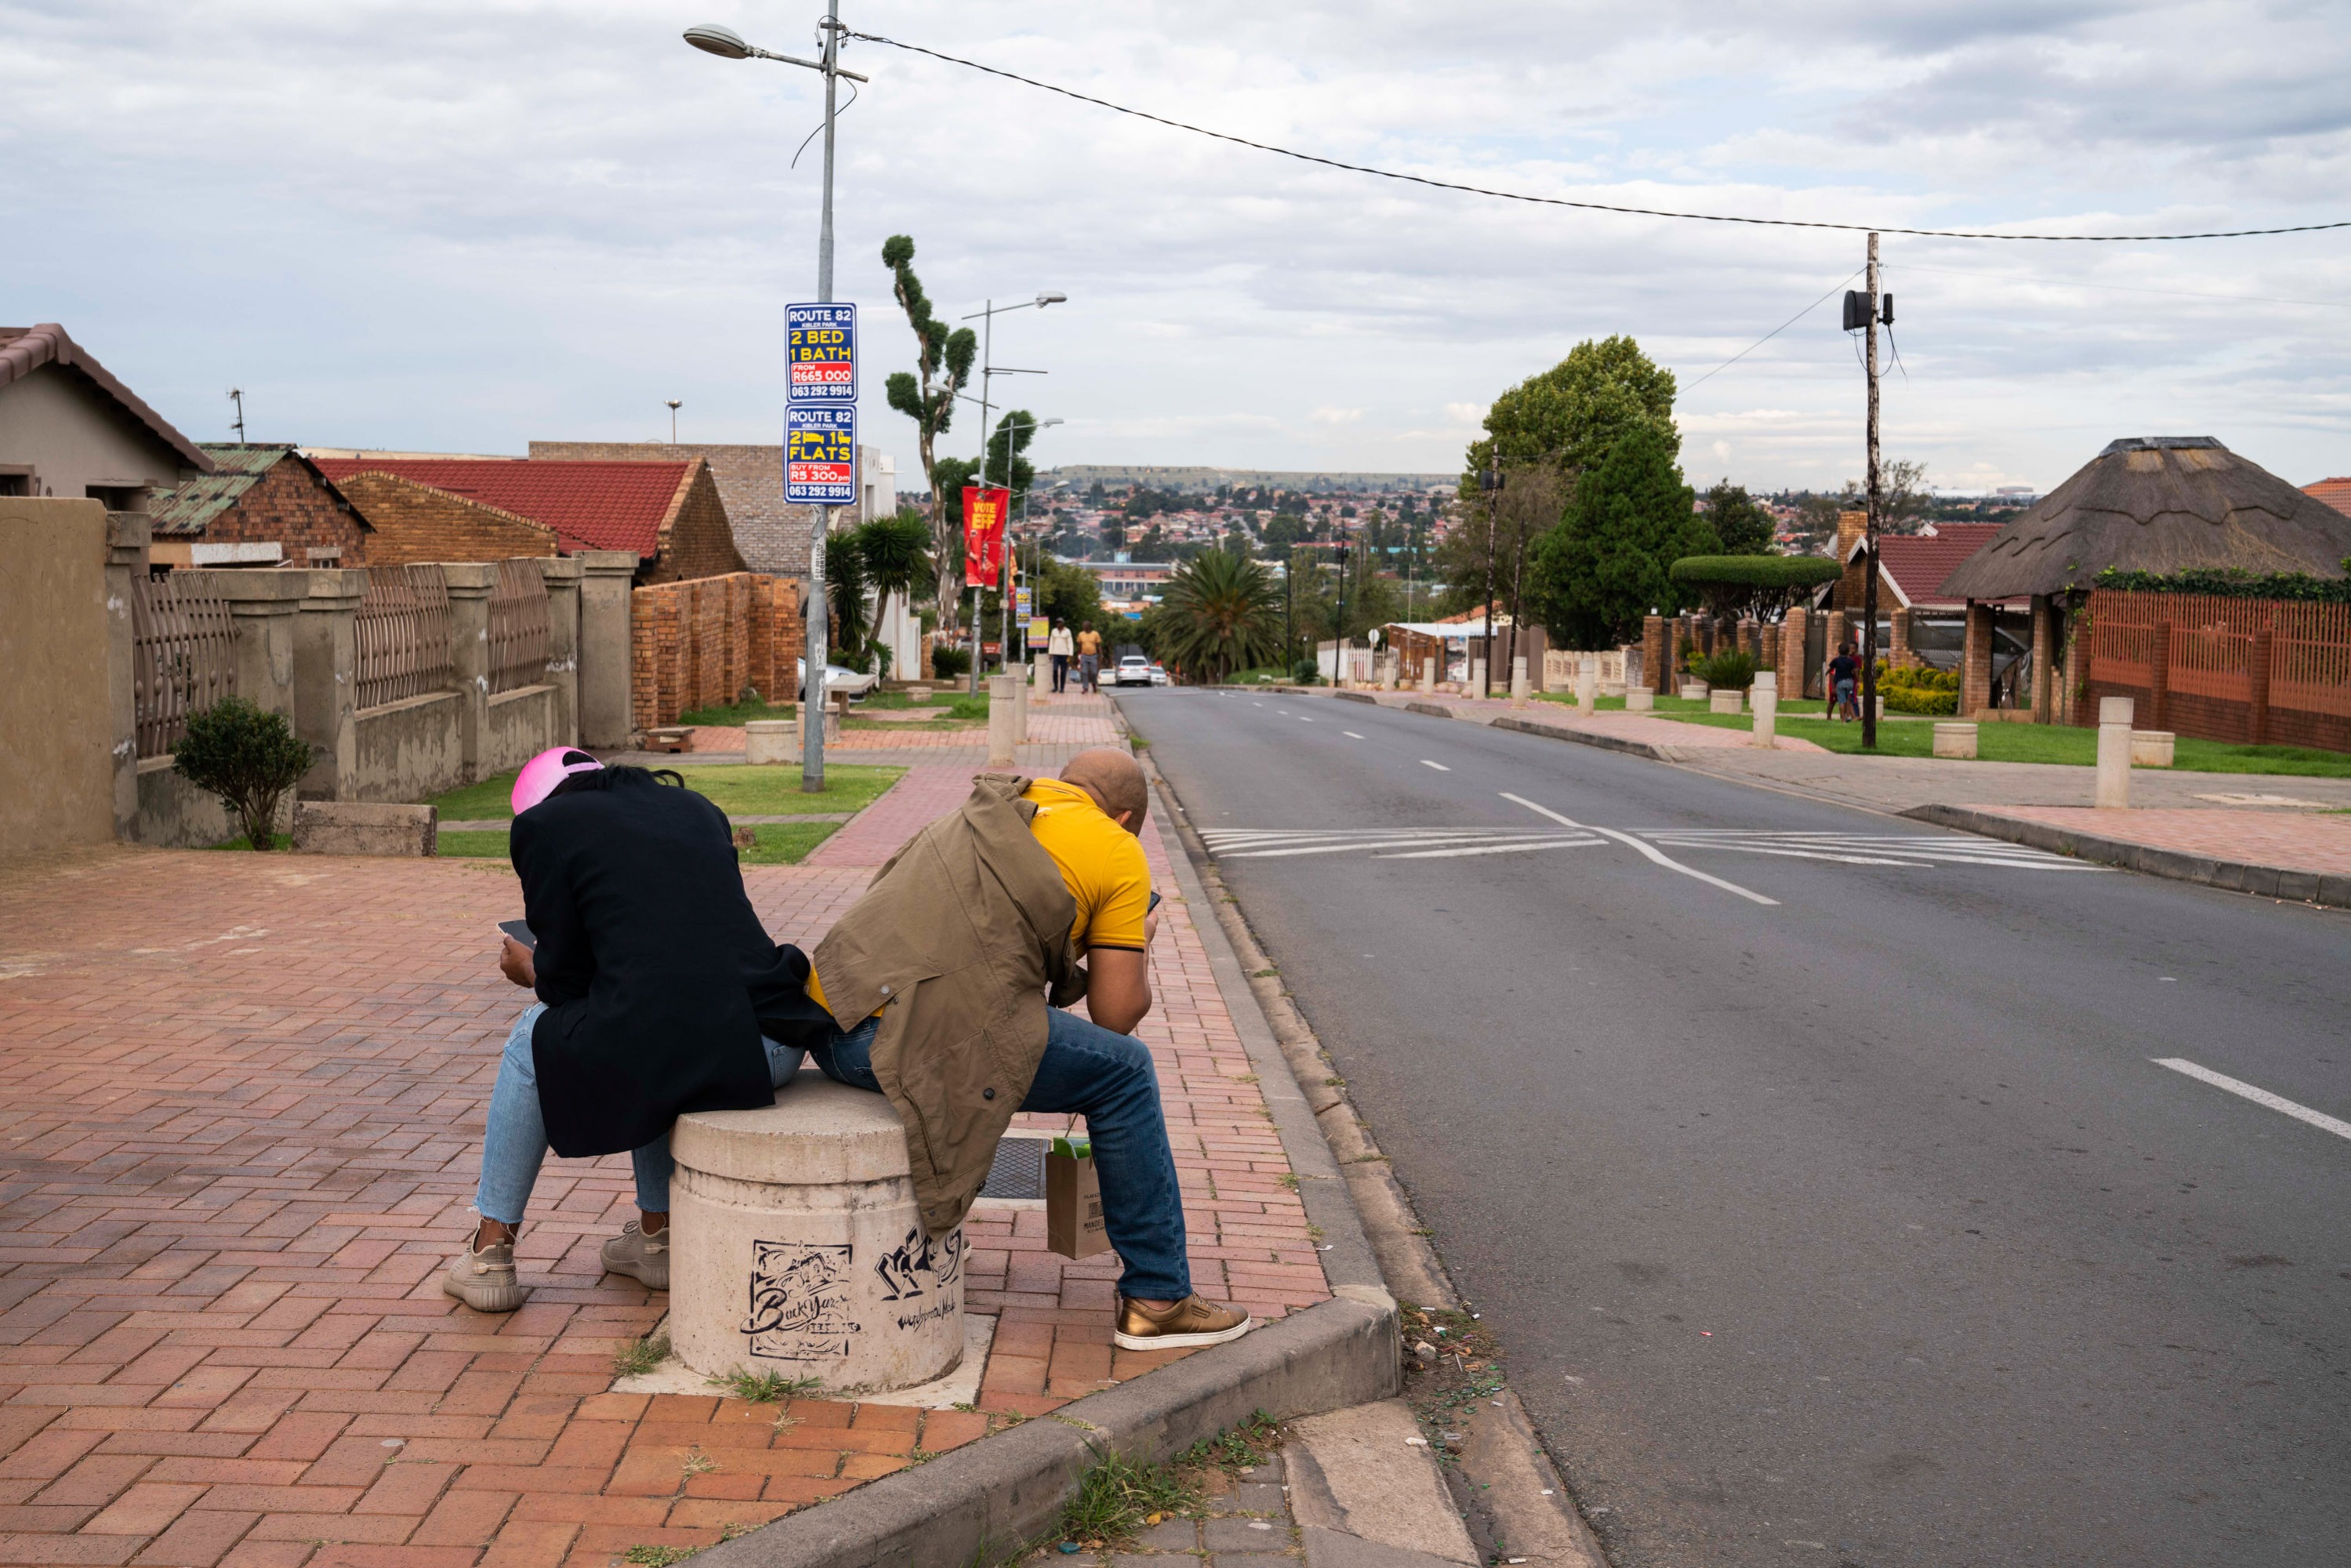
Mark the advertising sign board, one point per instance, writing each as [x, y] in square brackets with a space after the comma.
[821, 454]
[984, 509]
[821, 353]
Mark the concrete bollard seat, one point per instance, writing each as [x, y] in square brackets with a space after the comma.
[1730, 699]
[771, 740]
[1954, 738]
[1640, 699]
[797, 1245]
[2153, 748]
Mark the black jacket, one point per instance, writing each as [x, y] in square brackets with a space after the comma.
[657, 975]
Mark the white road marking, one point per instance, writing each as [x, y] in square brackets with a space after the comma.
[1351, 735]
[1911, 850]
[1650, 849]
[1303, 719]
[1401, 841]
[1425, 762]
[1496, 849]
[2319, 1119]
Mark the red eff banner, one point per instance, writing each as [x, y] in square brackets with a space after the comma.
[984, 509]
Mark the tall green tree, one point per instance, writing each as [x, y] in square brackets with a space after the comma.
[1591, 579]
[1069, 594]
[1739, 520]
[1006, 466]
[1221, 613]
[1575, 412]
[926, 395]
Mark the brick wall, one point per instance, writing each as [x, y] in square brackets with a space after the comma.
[770, 536]
[701, 641]
[694, 540]
[415, 522]
[292, 507]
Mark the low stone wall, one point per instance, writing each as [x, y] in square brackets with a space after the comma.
[517, 725]
[411, 749]
[173, 814]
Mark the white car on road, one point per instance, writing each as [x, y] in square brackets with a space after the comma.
[1134, 670]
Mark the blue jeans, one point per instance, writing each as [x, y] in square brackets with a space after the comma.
[1108, 1078]
[515, 1143]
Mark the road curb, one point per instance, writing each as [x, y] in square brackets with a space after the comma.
[2233, 876]
[995, 1498]
[1655, 753]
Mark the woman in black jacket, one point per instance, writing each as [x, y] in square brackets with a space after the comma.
[659, 993]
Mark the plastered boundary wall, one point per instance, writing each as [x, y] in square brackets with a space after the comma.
[70, 768]
[57, 723]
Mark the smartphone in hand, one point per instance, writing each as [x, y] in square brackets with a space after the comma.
[520, 931]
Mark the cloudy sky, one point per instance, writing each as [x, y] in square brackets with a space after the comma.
[459, 225]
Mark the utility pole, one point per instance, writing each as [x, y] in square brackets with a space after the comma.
[1489, 479]
[1339, 624]
[1869, 549]
[728, 45]
[237, 396]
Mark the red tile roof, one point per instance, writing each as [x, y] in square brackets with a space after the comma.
[1917, 564]
[590, 505]
[2335, 493]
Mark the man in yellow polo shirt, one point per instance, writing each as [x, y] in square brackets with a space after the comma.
[1087, 822]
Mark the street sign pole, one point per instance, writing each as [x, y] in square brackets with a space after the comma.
[820, 471]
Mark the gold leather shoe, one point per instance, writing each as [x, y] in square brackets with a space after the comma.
[1188, 1326]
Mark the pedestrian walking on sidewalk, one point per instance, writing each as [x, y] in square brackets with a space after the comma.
[1059, 647]
[1090, 645]
[1844, 675]
[659, 993]
[947, 984]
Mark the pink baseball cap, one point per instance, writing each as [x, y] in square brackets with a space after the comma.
[542, 774]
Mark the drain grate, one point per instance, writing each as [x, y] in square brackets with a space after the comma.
[1018, 1170]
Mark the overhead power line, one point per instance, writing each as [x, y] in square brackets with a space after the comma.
[1562, 201]
[1775, 331]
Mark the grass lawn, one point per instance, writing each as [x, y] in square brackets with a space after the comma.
[962, 712]
[766, 791]
[1908, 736]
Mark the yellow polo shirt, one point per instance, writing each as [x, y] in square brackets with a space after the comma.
[1100, 864]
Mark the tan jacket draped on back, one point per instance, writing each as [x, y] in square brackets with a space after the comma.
[957, 942]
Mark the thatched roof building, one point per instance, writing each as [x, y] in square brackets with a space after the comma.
[2162, 504]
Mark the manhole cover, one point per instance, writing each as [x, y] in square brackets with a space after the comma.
[1018, 1170]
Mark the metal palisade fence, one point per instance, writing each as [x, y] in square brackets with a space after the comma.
[519, 633]
[401, 631]
[183, 658]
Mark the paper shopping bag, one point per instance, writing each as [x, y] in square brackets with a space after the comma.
[1073, 1210]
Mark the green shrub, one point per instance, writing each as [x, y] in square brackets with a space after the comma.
[247, 757]
[1305, 673]
[948, 660]
[1920, 689]
[1730, 670]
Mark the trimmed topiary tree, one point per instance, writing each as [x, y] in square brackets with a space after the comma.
[1762, 585]
[248, 758]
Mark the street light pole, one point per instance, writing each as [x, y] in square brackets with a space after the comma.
[1489, 479]
[728, 44]
[986, 316]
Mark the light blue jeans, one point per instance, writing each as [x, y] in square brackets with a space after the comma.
[515, 1144]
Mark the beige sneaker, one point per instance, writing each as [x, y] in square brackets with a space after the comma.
[644, 1258]
[485, 1280]
[1188, 1326]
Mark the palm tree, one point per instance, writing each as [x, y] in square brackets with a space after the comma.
[895, 553]
[1219, 615]
[844, 596]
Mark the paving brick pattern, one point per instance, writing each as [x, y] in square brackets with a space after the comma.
[2298, 841]
[246, 1101]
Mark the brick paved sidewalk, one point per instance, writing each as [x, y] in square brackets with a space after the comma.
[2296, 841]
[245, 1102]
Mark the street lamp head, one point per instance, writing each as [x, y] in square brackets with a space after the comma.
[723, 42]
[1051, 297]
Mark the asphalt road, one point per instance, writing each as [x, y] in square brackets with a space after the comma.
[1858, 1226]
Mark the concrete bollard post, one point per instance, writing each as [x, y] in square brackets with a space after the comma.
[1477, 678]
[1519, 691]
[1003, 713]
[799, 1244]
[1765, 698]
[1431, 673]
[1954, 738]
[771, 740]
[2114, 753]
[1587, 685]
[1020, 707]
